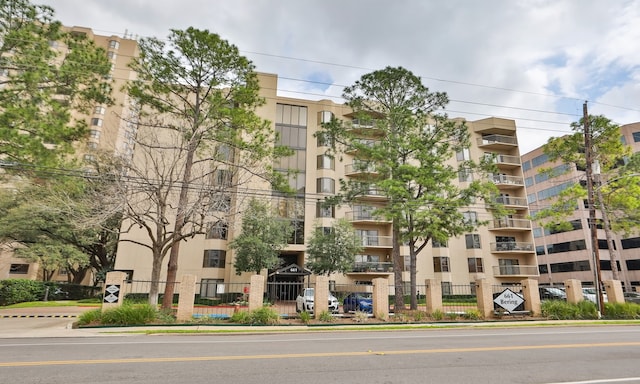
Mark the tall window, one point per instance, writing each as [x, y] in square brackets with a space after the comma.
[325, 162]
[218, 230]
[96, 122]
[470, 217]
[325, 185]
[472, 240]
[439, 244]
[463, 155]
[464, 175]
[475, 265]
[214, 258]
[441, 264]
[636, 137]
[325, 210]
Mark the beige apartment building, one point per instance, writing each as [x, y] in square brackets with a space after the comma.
[112, 129]
[502, 252]
[568, 255]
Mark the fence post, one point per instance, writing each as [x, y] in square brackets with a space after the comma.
[573, 287]
[380, 298]
[484, 296]
[531, 296]
[321, 296]
[613, 288]
[113, 291]
[433, 295]
[256, 292]
[186, 298]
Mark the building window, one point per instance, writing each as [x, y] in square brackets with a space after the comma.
[368, 237]
[463, 155]
[209, 287]
[631, 243]
[539, 160]
[324, 140]
[214, 258]
[526, 166]
[325, 185]
[325, 210]
[571, 266]
[441, 264]
[326, 162]
[475, 265]
[218, 230]
[112, 55]
[568, 246]
[528, 181]
[221, 204]
[540, 250]
[96, 122]
[470, 217]
[114, 44]
[439, 244]
[636, 137]
[465, 175]
[19, 269]
[222, 178]
[472, 240]
[224, 153]
[324, 117]
[99, 110]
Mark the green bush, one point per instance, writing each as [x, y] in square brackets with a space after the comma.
[326, 317]
[130, 314]
[90, 317]
[562, 310]
[622, 311]
[437, 315]
[305, 317]
[13, 291]
[260, 316]
[472, 314]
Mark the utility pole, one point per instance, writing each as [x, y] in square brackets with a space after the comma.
[588, 153]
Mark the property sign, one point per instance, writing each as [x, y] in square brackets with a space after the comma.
[508, 300]
[111, 293]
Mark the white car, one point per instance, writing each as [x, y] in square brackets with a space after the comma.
[304, 301]
[592, 295]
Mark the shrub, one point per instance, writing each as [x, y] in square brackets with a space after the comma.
[130, 314]
[561, 310]
[473, 314]
[326, 317]
[260, 316]
[621, 310]
[242, 317]
[90, 317]
[305, 317]
[13, 291]
[437, 315]
[419, 316]
[360, 316]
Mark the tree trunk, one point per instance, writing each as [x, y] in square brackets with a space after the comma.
[397, 270]
[155, 278]
[413, 276]
[172, 267]
[613, 253]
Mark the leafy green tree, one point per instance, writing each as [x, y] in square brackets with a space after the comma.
[411, 158]
[43, 87]
[58, 215]
[609, 154]
[199, 140]
[333, 249]
[262, 238]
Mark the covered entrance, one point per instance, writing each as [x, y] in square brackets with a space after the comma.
[284, 284]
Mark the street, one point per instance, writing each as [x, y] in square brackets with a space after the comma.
[599, 354]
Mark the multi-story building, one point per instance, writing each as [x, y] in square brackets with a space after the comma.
[112, 129]
[502, 252]
[568, 254]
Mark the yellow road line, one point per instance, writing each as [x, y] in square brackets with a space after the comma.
[307, 355]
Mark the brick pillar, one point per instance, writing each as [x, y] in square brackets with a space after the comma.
[614, 291]
[433, 295]
[113, 293]
[256, 292]
[321, 296]
[573, 287]
[484, 295]
[186, 297]
[380, 298]
[531, 296]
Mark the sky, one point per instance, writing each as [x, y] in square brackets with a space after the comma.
[533, 61]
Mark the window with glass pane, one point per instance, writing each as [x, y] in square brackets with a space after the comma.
[475, 265]
[325, 185]
[470, 217]
[441, 264]
[324, 210]
[472, 240]
[218, 230]
[214, 258]
[325, 162]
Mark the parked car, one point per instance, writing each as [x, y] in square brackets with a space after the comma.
[358, 301]
[591, 294]
[632, 297]
[304, 301]
[552, 293]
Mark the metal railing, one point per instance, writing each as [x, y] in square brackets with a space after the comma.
[511, 246]
[515, 270]
[497, 139]
[509, 222]
[372, 266]
[376, 241]
[508, 200]
[506, 179]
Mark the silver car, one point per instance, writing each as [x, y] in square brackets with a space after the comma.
[304, 301]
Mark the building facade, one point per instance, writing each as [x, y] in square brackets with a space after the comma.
[502, 252]
[568, 254]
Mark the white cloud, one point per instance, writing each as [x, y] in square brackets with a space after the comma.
[535, 61]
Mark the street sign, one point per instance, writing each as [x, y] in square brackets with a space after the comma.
[113, 291]
[508, 300]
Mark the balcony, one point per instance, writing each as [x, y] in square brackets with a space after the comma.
[365, 127]
[360, 143]
[376, 241]
[497, 142]
[372, 194]
[512, 247]
[515, 270]
[510, 224]
[506, 161]
[360, 169]
[372, 267]
[364, 217]
[512, 202]
[507, 181]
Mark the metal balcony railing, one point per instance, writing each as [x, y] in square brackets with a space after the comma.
[372, 266]
[506, 159]
[497, 139]
[515, 270]
[511, 246]
[506, 179]
[508, 200]
[376, 241]
[508, 222]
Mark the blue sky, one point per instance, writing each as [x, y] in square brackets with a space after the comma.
[534, 61]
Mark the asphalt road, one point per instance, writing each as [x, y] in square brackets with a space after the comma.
[588, 354]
